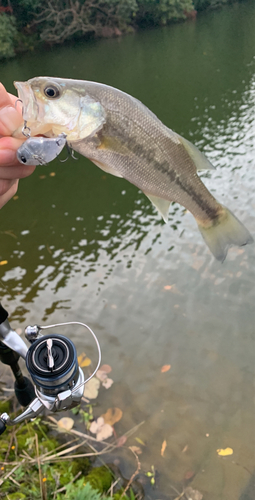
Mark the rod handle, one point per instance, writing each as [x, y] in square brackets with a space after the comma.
[3, 314]
[2, 426]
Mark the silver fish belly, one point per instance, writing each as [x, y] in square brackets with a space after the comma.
[40, 150]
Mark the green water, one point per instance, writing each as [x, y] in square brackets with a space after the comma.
[85, 246]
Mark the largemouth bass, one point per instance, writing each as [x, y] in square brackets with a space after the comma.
[123, 137]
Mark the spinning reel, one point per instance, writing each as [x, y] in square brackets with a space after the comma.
[51, 360]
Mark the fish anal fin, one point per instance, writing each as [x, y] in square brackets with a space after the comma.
[222, 235]
[199, 159]
[106, 168]
[160, 204]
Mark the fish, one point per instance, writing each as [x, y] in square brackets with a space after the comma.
[40, 150]
[123, 137]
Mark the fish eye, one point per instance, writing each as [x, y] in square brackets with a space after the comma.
[23, 159]
[51, 91]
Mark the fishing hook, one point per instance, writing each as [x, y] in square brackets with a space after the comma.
[26, 128]
[18, 100]
[70, 153]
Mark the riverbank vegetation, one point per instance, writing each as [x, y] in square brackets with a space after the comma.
[46, 459]
[27, 24]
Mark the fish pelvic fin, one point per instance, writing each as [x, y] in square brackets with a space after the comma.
[106, 168]
[227, 231]
[199, 159]
[160, 204]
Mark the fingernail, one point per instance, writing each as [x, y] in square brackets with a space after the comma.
[7, 157]
[10, 120]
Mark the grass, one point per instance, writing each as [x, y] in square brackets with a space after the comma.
[39, 461]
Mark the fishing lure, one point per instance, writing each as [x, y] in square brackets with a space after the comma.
[41, 150]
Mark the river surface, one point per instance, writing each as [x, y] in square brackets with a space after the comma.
[83, 245]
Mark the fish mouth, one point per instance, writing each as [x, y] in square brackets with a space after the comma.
[30, 108]
[29, 104]
[30, 112]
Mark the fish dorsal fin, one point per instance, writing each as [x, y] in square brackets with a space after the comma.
[200, 160]
[161, 205]
[106, 168]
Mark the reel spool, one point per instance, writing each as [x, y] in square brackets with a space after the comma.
[52, 364]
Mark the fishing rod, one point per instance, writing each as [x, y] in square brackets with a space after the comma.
[51, 360]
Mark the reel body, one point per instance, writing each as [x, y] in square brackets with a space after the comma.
[53, 366]
[52, 363]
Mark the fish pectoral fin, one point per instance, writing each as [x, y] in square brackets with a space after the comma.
[160, 204]
[111, 143]
[200, 160]
[106, 168]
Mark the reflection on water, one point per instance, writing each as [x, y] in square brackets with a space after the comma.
[85, 246]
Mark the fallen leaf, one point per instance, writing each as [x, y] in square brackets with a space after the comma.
[52, 174]
[107, 383]
[225, 452]
[83, 360]
[101, 375]
[66, 423]
[101, 429]
[105, 432]
[189, 475]
[140, 441]
[165, 368]
[121, 441]
[106, 368]
[94, 426]
[3, 262]
[42, 176]
[15, 197]
[192, 494]
[136, 449]
[163, 448]
[112, 416]
[92, 388]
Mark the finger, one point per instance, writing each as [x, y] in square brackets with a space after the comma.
[16, 171]
[10, 118]
[10, 167]
[12, 97]
[9, 194]
[8, 151]
[5, 185]
[5, 98]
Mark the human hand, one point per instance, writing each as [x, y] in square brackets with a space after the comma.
[10, 168]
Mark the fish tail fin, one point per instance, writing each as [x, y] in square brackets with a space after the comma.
[227, 231]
